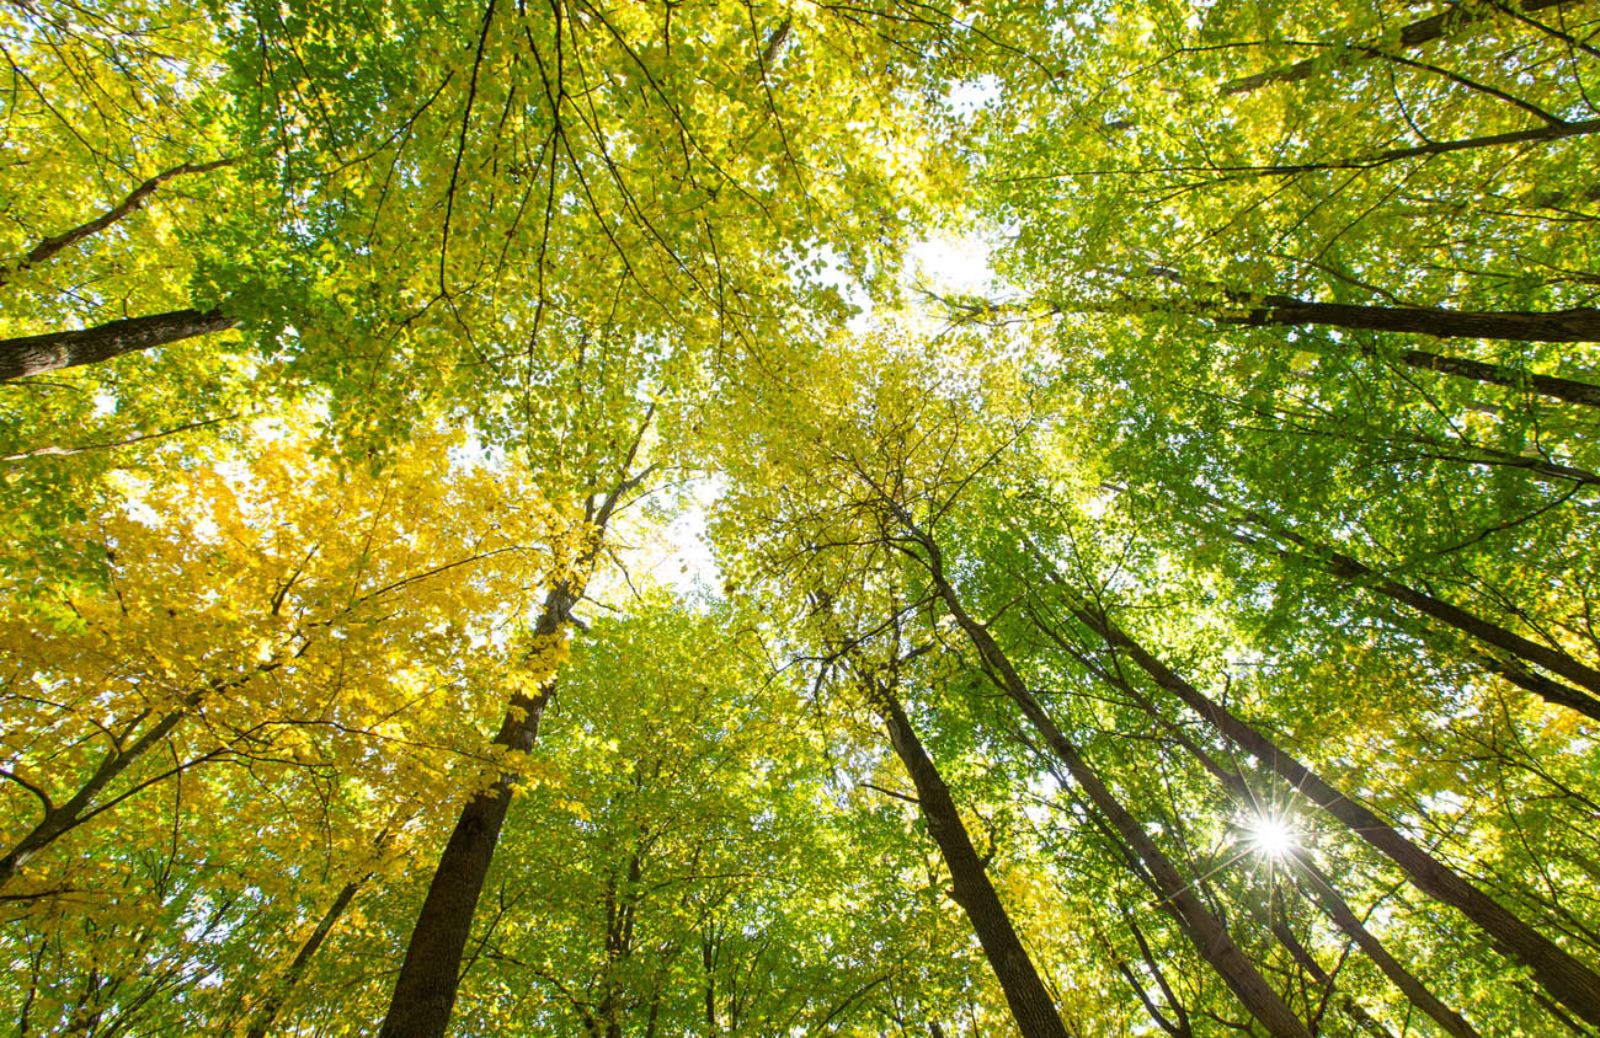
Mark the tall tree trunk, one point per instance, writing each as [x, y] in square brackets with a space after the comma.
[1562, 975]
[1321, 889]
[1348, 568]
[1308, 962]
[621, 914]
[261, 1023]
[1177, 1024]
[1310, 877]
[1577, 324]
[1346, 920]
[1414, 34]
[1208, 934]
[60, 819]
[1031, 1005]
[1539, 685]
[37, 354]
[1572, 391]
[425, 991]
[1557, 131]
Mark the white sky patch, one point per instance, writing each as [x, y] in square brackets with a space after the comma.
[970, 96]
[953, 264]
[689, 564]
[674, 555]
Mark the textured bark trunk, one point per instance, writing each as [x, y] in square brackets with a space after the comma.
[1031, 1005]
[1414, 34]
[1578, 324]
[60, 819]
[1323, 892]
[1348, 568]
[37, 354]
[1208, 934]
[261, 1025]
[1562, 975]
[425, 991]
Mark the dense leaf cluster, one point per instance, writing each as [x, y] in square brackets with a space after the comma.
[502, 534]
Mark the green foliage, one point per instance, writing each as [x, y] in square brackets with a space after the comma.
[525, 294]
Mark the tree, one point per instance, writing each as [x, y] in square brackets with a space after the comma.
[424, 992]
[559, 443]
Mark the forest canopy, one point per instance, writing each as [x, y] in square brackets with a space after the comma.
[874, 517]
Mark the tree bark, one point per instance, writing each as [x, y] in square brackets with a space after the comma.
[425, 991]
[37, 354]
[1562, 975]
[1208, 934]
[262, 1022]
[1578, 324]
[1414, 34]
[1554, 660]
[1031, 1005]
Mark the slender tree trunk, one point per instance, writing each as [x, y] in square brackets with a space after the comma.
[37, 354]
[1322, 891]
[1348, 568]
[1308, 962]
[1578, 324]
[1346, 920]
[1414, 34]
[1562, 975]
[1031, 1005]
[60, 819]
[708, 961]
[135, 200]
[621, 913]
[1558, 131]
[1178, 1024]
[425, 991]
[1572, 391]
[1553, 691]
[262, 1022]
[1489, 457]
[1330, 900]
[1511, 669]
[1205, 930]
